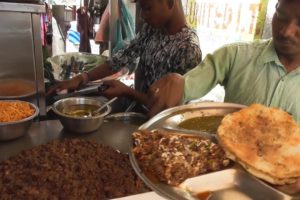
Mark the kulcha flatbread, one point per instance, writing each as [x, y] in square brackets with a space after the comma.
[265, 141]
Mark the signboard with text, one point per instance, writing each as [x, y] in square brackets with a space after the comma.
[65, 2]
[220, 22]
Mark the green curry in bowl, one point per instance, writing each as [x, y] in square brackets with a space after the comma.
[204, 123]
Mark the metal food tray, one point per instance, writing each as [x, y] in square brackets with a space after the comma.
[127, 117]
[230, 183]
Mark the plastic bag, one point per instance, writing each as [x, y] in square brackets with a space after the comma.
[125, 30]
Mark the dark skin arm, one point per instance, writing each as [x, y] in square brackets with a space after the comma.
[165, 93]
[118, 89]
[74, 83]
[298, 184]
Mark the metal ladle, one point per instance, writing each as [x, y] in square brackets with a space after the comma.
[93, 113]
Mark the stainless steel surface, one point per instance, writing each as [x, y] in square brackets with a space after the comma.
[232, 184]
[127, 117]
[171, 118]
[22, 7]
[116, 134]
[16, 46]
[21, 48]
[13, 130]
[79, 124]
[38, 63]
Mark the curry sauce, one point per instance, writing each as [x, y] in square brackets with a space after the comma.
[80, 110]
[205, 123]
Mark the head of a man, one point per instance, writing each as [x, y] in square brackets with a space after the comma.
[157, 13]
[286, 28]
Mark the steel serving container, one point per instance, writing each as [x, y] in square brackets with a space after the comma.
[231, 183]
[80, 124]
[15, 129]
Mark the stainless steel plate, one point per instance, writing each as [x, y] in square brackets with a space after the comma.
[127, 117]
[231, 184]
[239, 184]
[173, 116]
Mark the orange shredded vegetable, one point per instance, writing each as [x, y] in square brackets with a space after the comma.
[14, 111]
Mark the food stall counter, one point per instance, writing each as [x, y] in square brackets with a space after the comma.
[116, 134]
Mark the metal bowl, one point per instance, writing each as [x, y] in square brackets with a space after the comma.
[79, 124]
[17, 89]
[128, 117]
[13, 130]
[84, 62]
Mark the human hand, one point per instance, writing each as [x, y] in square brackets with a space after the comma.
[165, 93]
[290, 188]
[298, 184]
[70, 85]
[115, 88]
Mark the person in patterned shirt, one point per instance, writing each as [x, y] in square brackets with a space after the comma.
[165, 44]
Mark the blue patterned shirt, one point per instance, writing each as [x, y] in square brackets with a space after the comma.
[159, 53]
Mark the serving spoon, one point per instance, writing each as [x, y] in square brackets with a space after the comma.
[89, 113]
[96, 112]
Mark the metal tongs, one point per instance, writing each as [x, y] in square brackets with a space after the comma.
[89, 90]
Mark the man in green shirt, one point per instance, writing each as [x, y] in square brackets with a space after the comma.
[266, 72]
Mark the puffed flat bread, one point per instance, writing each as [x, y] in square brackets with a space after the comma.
[265, 141]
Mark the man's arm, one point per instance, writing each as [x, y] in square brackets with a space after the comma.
[100, 72]
[118, 89]
[74, 83]
[165, 93]
[174, 89]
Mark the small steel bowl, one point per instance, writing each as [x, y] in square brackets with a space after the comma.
[15, 129]
[78, 124]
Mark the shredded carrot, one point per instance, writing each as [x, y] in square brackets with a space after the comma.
[14, 111]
